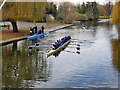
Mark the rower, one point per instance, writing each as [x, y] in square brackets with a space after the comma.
[63, 40]
[55, 46]
[83, 26]
[69, 37]
[59, 43]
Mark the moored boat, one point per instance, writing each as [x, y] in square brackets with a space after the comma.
[37, 35]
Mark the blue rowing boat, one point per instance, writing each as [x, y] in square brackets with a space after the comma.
[37, 35]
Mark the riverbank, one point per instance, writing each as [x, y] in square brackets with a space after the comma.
[9, 36]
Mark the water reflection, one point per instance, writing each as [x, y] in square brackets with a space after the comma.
[116, 51]
[89, 68]
[21, 70]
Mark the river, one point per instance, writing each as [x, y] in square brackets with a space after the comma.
[95, 65]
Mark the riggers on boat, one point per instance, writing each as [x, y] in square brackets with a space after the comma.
[37, 35]
[53, 51]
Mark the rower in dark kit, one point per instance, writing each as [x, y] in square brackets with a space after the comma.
[61, 42]
[83, 25]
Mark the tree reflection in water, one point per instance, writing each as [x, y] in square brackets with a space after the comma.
[21, 70]
[116, 51]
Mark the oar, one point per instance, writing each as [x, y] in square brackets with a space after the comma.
[73, 40]
[30, 54]
[84, 41]
[75, 44]
[72, 52]
[32, 47]
[78, 48]
[38, 44]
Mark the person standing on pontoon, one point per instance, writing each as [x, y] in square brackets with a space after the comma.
[35, 29]
[31, 31]
[42, 28]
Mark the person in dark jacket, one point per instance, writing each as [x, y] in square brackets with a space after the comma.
[42, 28]
[35, 29]
[39, 31]
[31, 31]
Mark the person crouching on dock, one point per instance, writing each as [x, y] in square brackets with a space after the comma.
[39, 32]
[31, 31]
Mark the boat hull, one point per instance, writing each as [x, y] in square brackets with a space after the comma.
[37, 35]
[58, 49]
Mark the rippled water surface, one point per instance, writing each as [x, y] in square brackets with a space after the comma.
[95, 65]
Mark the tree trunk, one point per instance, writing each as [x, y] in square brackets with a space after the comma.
[14, 24]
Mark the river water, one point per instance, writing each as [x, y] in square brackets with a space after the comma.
[95, 65]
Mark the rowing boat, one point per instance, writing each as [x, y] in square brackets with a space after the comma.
[58, 49]
[37, 35]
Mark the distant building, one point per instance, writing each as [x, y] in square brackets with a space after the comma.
[50, 18]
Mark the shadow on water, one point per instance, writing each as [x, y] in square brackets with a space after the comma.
[116, 54]
[21, 70]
